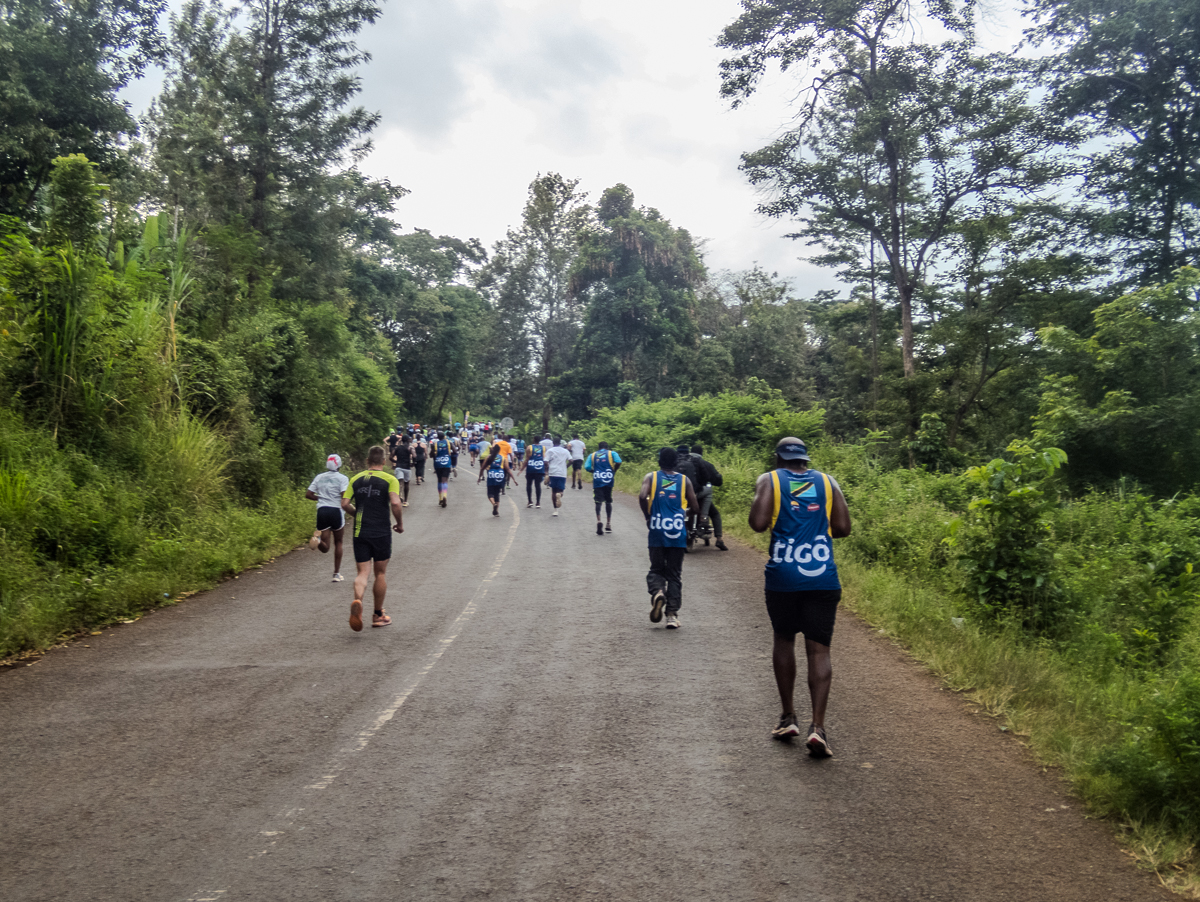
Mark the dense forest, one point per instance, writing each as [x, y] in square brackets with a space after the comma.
[197, 304]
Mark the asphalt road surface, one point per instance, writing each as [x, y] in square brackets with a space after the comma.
[520, 732]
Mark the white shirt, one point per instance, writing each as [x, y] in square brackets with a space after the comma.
[577, 447]
[328, 487]
[546, 443]
[557, 459]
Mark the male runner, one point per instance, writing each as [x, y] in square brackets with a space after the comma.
[520, 451]
[441, 467]
[368, 498]
[557, 459]
[535, 471]
[603, 465]
[547, 443]
[804, 509]
[506, 452]
[665, 498]
[402, 460]
[326, 489]
[576, 447]
[420, 453]
[454, 446]
[498, 473]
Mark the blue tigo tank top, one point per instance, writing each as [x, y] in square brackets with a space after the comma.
[536, 463]
[668, 511]
[801, 552]
[495, 473]
[520, 446]
[602, 468]
[442, 455]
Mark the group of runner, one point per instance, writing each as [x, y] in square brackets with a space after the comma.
[803, 508]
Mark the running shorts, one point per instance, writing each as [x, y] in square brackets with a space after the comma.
[558, 483]
[577, 464]
[494, 491]
[402, 474]
[330, 518]
[443, 473]
[372, 549]
[811, 613]
[602, 493]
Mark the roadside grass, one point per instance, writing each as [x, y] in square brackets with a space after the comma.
[1079, 704]
[42, 604]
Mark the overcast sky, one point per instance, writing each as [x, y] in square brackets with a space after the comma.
[480, 96]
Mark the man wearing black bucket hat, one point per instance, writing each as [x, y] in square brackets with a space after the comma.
[804, 509]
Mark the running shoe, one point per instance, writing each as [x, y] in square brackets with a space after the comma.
[555, 514]
[338, 578]
[672, 622]
[530, 504]
[356, 616]
[721, 545]
[537, 507]
[658, 601]
[818, 742]
[608, 527]
[380, 618]
[315, 541]
[495, 512]
[442, 502]
[787, 727]
[599, 530]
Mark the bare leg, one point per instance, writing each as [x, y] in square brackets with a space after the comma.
[380, 587]
[360, 579]
[338, 534]
[323, 545]
[784, 660]
[820, 676]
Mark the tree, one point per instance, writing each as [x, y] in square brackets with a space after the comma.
[637, 275]
[61, 65]
[895, 140]
[528, 281]
[1130, 72]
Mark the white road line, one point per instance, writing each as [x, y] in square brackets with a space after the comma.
[282, 822]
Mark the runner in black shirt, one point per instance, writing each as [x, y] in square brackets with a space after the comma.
[371, 496]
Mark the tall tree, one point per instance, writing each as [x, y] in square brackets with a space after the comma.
[61, 65]
[930, 131]
[1129, 70]
[529, 280]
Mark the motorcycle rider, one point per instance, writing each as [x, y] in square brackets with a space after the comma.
[708, 478]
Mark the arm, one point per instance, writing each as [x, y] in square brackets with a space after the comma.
[839, 519]
[311, 495]
[644, 496]
[763, 504]
[397, 511]
[587, 464]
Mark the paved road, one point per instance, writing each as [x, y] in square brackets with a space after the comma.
[521, 732]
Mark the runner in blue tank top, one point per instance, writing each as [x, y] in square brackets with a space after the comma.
[603, 465]
[805, 510]
[665, 499]
[441, 467]
[497, 471]
[535, 471]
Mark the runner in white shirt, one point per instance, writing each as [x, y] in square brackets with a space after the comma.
[557, 459]
[576, 447]
[546, 443]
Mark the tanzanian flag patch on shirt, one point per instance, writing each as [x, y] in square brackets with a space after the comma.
[801, 489]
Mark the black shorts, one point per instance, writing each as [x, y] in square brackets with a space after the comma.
[419, 469]
[577, 464]
[602, 493]
[443, 473]
[330, 518]
[494, 491]
[372, 549]
[811, 613]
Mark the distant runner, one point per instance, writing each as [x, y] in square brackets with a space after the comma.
[804, 509]
[498, 473]
[535, 472]
[420, 453]
[557, 459]
[441, 467]
[326, 489]
[402, 460]
[370, 496]
[665, 498]
[603, 465]
[576, 447]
